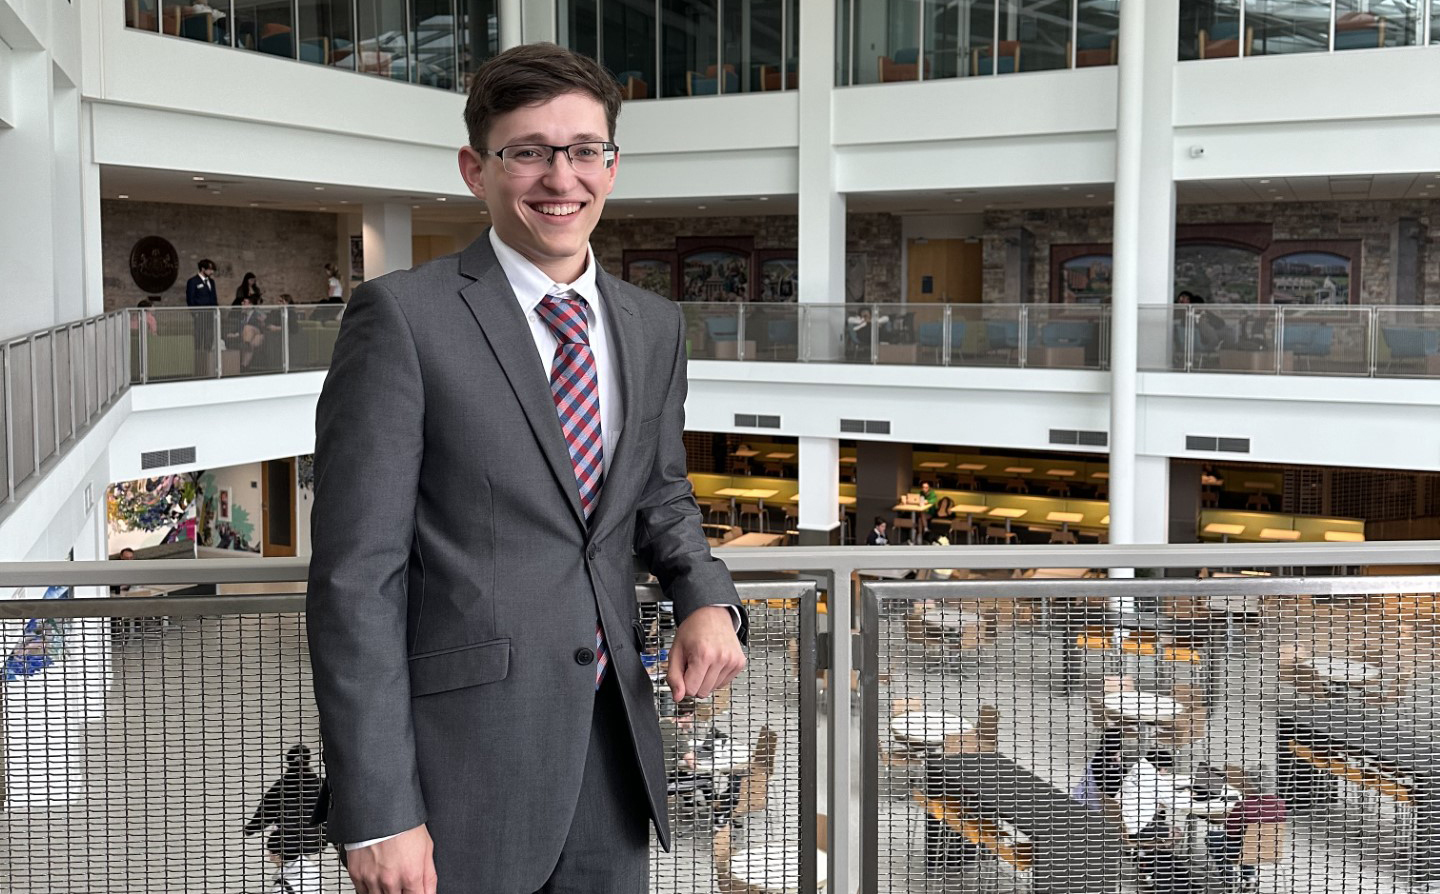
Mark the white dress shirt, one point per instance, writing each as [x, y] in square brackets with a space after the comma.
[1141, 794]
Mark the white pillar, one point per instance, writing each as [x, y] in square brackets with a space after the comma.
[1152, 508]
[819, 490]
[511, 13]
[1144, 231]
[821, 241]
[386, 231]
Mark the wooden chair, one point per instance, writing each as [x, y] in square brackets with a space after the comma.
[1063, 537]
[632, 85]
[1008, 53]
[752, 510]
[998, 534]
[903, 66]
[987, 729]
[1221, 41]
[1263, 844]
[1094, 50]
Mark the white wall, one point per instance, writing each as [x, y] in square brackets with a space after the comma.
[245, 494]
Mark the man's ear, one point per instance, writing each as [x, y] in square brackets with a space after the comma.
[472, 171]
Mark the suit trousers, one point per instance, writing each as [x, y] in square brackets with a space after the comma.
[608, 847]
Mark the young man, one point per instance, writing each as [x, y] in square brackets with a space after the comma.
[499, 435]
[200, 292]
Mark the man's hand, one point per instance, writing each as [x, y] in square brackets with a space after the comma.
[706, 654]
[404, 864]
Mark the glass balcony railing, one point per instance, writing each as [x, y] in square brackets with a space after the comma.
[1220, 29]
[222, 342]
[54, 383]
[437, 43]
[926, 40]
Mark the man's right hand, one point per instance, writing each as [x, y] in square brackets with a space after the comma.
[404, 864]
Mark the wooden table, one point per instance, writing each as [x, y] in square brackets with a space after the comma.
[934, 465]
[755, 538]
[1008, 514]
[928, 727]
[731, 757]
[1144, 707]
[774, 868]
[780, 454]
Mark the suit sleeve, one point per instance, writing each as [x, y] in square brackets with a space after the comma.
[368, 447]
[191, 290]
[668, 536]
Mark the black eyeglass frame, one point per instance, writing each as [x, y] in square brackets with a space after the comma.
[610, 150]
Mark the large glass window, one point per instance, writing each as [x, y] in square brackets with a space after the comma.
[326, 32]
[1210, 29]
[201, 20]
[578, 26]
[754, 43]
[689, 51]
[1276, 27]
[1435, 21]
[1366, 24]
[628, 46]
[1035, 36]
[432, 43]
[1097, 33]
[267, 26]
[479, 36]
[380, 33]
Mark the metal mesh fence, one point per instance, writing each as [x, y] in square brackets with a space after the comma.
[1258, 734]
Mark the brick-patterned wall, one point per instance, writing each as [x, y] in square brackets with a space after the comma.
[1370, 222]
[284, 249]
[877, 235]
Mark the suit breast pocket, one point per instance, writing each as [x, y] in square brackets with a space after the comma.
[460, 667]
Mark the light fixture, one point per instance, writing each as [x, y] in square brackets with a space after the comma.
[414, 206]
[1089, 195]
[122, 196]
[1064, 189]
[972, 467]
[701, 207]
[1344, 536]
[198, 179]
[1264, 182]
[957, 201]
[629, 215]
[764, 198]
[323, 208]
[1279, 534]
[319, 189]
[1060, 473]
[1020, 470]
[254, 204]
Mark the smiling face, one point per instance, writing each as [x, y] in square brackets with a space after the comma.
[546, 218]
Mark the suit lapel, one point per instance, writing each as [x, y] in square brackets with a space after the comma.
[623, 327]
[492, 301]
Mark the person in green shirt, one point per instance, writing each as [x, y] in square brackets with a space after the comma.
[931, 498]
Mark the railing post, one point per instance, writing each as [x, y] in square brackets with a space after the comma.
[1022, 334]
[1372, 340]
[34, 404]
[1189, 337]
[55, 389]
[219, 354]
[945, 336]
[9, 423]
[874, 334]
[802, 338]
[739, 328]
[1279, 339]
[285, 338]
[144, 352]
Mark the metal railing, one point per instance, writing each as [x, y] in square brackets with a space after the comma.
[142, 731]
[53, 384]
[179, 343]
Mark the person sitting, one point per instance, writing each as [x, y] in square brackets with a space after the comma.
[877, 535]
[1106, 770]
[1226, 844]
[1143, 792]
[1211, 332]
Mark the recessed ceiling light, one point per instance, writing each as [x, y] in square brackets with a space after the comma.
[483, 211]
[649, 201]
[701, 207]
[439, 198]
[414, 206]
[197, 178]
[1264, 181]
[344, 201]
[122, 196]
[1429, 186]
[629, 215]
[319, 189]
[1089, 195]
[254, 204]
[957, 201]
[323, 208]
[764, 198]
[1064, 189]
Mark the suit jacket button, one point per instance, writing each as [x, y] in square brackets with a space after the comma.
[584, 656]
[593, 551]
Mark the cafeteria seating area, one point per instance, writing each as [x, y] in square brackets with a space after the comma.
[1174, 745]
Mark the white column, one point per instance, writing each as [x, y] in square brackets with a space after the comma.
[1152, 508]
[821, 209]
[1144, 232]
[386, 231]
[819, 489]
[89, 211]
[511, 13]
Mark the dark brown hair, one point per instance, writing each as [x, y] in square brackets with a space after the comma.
[535, 73]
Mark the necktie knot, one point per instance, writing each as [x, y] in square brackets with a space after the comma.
[565, 314]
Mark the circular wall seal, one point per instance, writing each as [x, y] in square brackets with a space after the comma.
[154, 265]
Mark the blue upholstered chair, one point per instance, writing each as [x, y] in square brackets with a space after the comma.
[931, 335]
[904, 65]
[1222, 40]
[1406, 344]
[982, 63]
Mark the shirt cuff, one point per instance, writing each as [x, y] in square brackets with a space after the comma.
[734, 616]
[359, 844]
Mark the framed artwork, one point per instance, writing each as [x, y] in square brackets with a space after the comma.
[1081, 274]
[715, 268]
[1311, 272]
[857, 267]
[779, 277]
[222, 504]
[653, 270]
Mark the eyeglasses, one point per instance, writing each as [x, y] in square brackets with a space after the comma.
[533, 159]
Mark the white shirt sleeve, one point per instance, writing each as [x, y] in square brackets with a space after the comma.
[359, 844]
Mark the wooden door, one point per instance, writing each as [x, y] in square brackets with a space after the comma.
[944, 270]
[277, 508]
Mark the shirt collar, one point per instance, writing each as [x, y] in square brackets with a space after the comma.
[531, 284]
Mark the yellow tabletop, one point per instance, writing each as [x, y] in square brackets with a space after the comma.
[934, 465]
[1068, 517]
[969, 508]
[731, 492]
[780, 454]
[1008, 512]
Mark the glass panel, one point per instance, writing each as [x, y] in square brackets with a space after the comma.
[4, 399]
[843, 11]
[1275, 27]
[142, 14]
[792, 44]
[22, 409]
[1097, 33]
[1408, 341]
[1332, 341]
[887, 39]
[713, 331]
[267, 26]
[775, 330]
[182, 344]
[1034, 36]
[208, 22]
[629, 43]
[1066, 336]
[252, 339]
[63, 375]
[327, 33]
[433, 42]
[960, 36]
[1366, 24]
[688, 50]
[381, 38]
[1162, 337]
[479, 35]
[577, 26]
[92, 370]
[313, 329]
[1210, 29]
[753, 43]
[1235, 338]
[1435, 22]
[910, 334]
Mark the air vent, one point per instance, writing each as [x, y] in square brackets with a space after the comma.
[865, 426]
[750, 420]
[156, 459]
[1079, 438]
[1217, 444]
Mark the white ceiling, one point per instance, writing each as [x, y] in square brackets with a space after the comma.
[143, 184]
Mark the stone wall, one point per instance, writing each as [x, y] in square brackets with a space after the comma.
[875, 235]
[1369, 222]
[284, 249]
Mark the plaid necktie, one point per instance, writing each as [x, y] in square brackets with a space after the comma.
[575, 387]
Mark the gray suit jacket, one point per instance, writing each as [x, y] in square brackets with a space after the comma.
[455, 583]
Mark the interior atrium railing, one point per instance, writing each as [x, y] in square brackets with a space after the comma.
[1266, 731]
[53, 384]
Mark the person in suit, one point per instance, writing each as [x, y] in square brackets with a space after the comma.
[877, 534]
[498, 440]
[200, 292]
